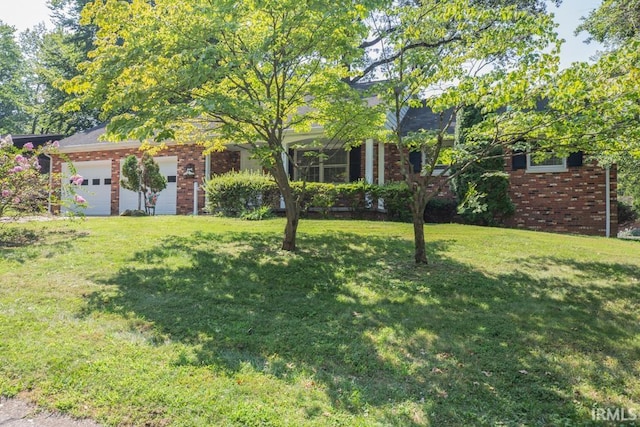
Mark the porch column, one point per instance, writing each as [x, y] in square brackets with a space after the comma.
[380, 171]
[368, 161]
[285, 162]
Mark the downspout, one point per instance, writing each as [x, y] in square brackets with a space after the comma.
[207, 175]
[49, 207]
[368, 168]
[608, 201]
[380, 171]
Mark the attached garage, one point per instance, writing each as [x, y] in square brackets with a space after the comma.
[96, 186]
[100, 163]
[166, 204]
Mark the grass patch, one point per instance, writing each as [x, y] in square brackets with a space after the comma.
[202, 321]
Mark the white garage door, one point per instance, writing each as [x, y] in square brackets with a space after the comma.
[95, 188]
[166, 204]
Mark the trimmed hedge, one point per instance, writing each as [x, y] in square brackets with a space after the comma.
[238, 193]
[250, 195]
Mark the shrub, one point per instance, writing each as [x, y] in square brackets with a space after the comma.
[483, 191]
[626, 212]
[24, 189]
[319, 195]
[397, 201]
[354, 195]
[441, 210]
[237, 193]
[257, 214]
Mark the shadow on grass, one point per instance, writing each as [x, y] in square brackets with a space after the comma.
[448, 343]
[15, 239]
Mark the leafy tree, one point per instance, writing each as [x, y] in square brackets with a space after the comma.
[13, 92]
[49, 57]
[23, 188]
[131, 177]
[614, 22]
[240, 72]
[483, 188]
[457, 53]
[617, 24]
[142, 176]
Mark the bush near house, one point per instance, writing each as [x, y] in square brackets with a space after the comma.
[235, 193]
[240, 194]
[626, 212]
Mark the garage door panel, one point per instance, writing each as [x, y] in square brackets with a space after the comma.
[166, 204]
[95, 187]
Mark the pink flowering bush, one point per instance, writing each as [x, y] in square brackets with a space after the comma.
[24, 189]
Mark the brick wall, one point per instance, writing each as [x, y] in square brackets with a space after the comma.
[392, 172]
[186, 154]
[563, 202]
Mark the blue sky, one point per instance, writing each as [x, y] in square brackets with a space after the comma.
[25, 13]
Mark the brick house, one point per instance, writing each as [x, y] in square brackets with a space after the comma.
[560, 195]
[100, 163]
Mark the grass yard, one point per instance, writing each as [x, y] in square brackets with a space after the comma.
[202, 321]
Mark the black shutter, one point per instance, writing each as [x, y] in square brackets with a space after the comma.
[415, 158]
[291, 165]
[575, 159]
[355, 161]
[519, 160]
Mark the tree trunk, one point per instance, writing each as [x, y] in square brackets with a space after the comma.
[291, 206]
[290, 230]
[417, 210]
[420, 253]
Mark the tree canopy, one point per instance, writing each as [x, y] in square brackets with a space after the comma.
[239, 72]
[13, 91]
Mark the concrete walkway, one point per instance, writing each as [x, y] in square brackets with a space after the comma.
[18, 413]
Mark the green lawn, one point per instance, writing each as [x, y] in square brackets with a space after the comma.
[203, 321]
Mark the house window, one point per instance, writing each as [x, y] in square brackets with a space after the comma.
[330, 166]
[548, 164]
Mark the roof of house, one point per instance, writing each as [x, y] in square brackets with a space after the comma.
[20, 140]
[86, 137]
[423, 117]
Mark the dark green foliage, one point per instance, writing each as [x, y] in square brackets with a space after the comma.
[251, 195]
[152, 180]
[142, 176]
[354, 196]
[257, 214]
[236, 193]
[13, 117]
[483, 188]
[626, 212]
[397, 199]
[315, 195]
[131, 174]
[440, 210]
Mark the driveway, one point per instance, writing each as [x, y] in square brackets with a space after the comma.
[18, 413]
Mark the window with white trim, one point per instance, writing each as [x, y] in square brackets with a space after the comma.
[325, 166]
[551, 163]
